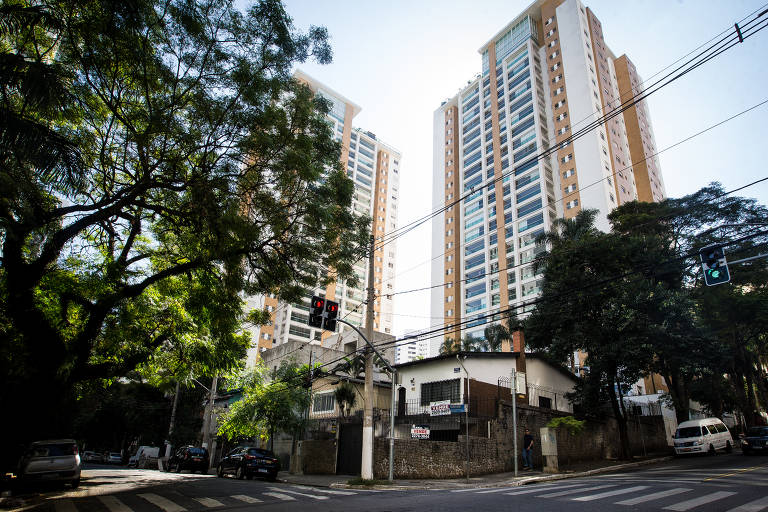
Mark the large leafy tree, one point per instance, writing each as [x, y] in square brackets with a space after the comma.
[157, 160]
[272, 401]
[590, 304]
[707, 341]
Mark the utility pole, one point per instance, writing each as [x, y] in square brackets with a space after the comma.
[366, 461]
[514, 416]
[207, 421]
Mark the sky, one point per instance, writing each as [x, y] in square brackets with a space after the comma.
[399, 60]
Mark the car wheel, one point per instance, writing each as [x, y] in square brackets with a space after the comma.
[728, 447]
[271, 478]
[744, 452]
[220, 471]
[711, 450]
[75, 483]
[240, 473]
[249, 476]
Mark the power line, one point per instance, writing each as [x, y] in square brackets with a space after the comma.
[701, 132]
[747, 31]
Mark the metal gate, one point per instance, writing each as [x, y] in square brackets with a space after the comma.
[350, 448]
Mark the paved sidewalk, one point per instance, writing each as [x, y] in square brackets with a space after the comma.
[494, 480]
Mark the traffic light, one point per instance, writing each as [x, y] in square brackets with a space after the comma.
[714, 265]
[331, 312]
[323, 313]
[316, 311]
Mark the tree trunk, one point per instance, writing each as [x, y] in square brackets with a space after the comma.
[621, 421]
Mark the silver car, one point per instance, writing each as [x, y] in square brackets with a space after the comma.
[56, 460]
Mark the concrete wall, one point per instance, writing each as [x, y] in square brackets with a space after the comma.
[318, 457]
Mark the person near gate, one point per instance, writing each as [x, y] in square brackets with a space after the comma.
[527, 450]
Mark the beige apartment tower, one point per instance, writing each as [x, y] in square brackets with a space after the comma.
[503, 148]
[374, 168]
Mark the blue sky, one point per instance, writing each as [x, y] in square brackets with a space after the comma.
[398, 60]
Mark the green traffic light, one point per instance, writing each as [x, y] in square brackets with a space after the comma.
[714, 274]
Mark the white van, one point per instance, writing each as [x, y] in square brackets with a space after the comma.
[702, 436]
[143, 451]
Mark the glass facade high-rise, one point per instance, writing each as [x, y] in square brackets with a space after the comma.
[543, 77]
[374, 168]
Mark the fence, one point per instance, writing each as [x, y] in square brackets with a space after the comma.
[538, 396]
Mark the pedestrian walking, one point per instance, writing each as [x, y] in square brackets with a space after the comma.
[527, 450]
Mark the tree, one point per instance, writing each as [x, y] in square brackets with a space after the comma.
[698, 333]
[449, 346]
[346, 396]
[156, 161]
[269, 403]
[582, 310]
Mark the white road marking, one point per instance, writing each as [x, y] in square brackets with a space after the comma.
[611, 493]
[247, 499]
[314, 496]
[327, 491]
[163, 503]
[65, 506]
[752, 506]
[702, 500]
[653, 496]
[280, 496]
[114, 504]
[571, 491]
[538, 488]
[209, 502]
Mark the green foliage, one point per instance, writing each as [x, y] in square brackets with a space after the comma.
[346, 396]
[271, 402]
[366, 482]
[157, 161]
[569, 423]
[633, 301]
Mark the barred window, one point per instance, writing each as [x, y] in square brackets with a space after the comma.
[441, 390]
[324, 403]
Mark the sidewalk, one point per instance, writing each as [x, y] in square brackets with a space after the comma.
[494, 480]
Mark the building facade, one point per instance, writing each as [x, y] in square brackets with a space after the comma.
[374, 167]
[536, 135]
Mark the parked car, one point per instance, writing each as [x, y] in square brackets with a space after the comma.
[56, 460]
[114, 458]
[143, 451]
[249, 462]
[755, 441]
[705, 435]
[89, 456]
[192, 458]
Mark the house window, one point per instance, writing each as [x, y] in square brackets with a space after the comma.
[545, 402]
[441, 390]
[325, 402]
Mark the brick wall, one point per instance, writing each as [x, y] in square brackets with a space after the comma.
[416, 459]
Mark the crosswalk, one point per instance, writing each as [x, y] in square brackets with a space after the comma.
[172, 501]
[629, 494]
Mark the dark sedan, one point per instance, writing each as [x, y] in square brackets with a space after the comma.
[191, 458]
[248, 462]
[756, 441]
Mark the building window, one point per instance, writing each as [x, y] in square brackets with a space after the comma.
[441, 390]
[545, 402]
[325, 402]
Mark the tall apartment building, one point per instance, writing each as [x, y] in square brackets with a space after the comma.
[411, 349]
[374, 167]
[544, 76]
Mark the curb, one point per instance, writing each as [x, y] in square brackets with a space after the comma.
[519, 481]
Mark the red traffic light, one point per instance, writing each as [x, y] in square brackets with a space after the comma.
[318, 303]
[332, 307]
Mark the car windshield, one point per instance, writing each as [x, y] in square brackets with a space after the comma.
[688, 432]
[198, 451]
[757, 431]
[52, 450]
[260, 453]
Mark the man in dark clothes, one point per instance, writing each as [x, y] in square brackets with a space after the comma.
[527, 450]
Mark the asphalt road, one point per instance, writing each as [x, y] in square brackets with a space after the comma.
[732, 483]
